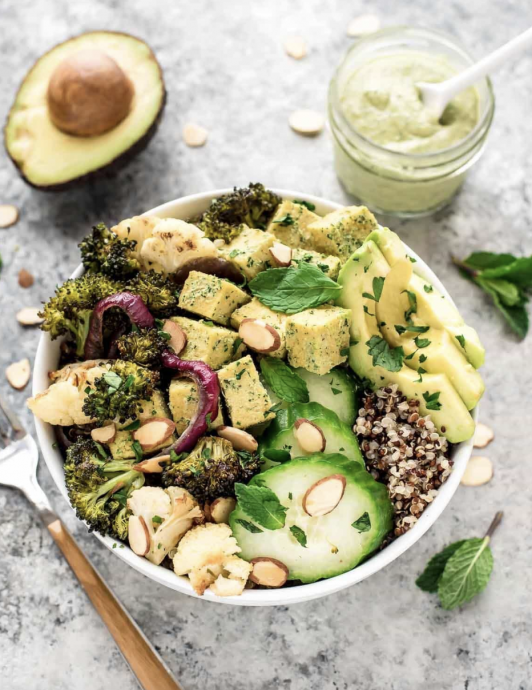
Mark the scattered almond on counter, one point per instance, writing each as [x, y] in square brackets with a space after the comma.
[363, 25]
[483, 436]
[18, 374]
[25, 278]
[8, 215]
[29, 316]
[309, 123]
[194, 135]
[479, 471]
[295, 47]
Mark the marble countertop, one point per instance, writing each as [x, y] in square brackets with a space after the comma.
[225, 69]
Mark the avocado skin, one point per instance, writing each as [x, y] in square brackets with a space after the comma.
[114, 166]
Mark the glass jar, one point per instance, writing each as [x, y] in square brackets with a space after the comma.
[404, 184]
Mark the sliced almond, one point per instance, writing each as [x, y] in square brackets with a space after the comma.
[220, 510]
[323, 496]
[309, 123]
[268, 572]
[154, 432]
[178, 337]
[8, 215]
[29, 316]
[105, 434]
[363, 25]
[295, 47]
[483, 436]
[239, 438]
[309, 436]
[25, 278]
[18, 374]
[139, 536]
[281, 254]
[219, 243]
[194, 135]
[479, 471]
[259, 335]
[152, 465]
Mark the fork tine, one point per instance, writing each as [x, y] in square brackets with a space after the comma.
[18, 430]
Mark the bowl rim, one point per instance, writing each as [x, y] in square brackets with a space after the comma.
[48, 351]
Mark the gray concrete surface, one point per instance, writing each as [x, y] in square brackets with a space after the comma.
[225, 68]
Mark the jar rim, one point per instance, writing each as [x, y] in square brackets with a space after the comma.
[399, 157]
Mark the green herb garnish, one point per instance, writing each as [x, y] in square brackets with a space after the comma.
[249, 526]
[363, 524]
[378, 284]
[390, 358]
[299, 535]
[283, 380]
[431, 400]
[261, 505]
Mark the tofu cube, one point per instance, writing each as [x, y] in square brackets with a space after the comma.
[341, 232]
[257, 310]
[211, 297]
[330, 265]
[290, 222]
[214, 345]
[246, 399]
[318, 339]
[183, 399]
[250, 251]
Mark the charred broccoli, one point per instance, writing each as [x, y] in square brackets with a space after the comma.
[142, 346]
[252, 206]
[211, 470]
[104, 252]
[119, 393]
[98, 488]
[158, 293]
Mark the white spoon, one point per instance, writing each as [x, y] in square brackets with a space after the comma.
[436, 96]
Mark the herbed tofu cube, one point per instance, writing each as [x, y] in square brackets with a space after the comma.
[257, 310]
[214, 345]
[290, 222]
[250, 251]
[183, 399]
[330, 265]
[211, 297]
[341, 232]
[247, 401]
[318, 339]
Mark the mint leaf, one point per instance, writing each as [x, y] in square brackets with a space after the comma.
[466, 573]
[277, 455]
[508, 293]
[363, 524]
[483, 260]
[378, 284]
[428, 580]
[283, 380]
[133, 426]
[390, 358]
[306, 204]
[421, 342]
[294, 289]
[249, 526]
[298, 533]
[431, 400]
[261, 505]
[137, 449]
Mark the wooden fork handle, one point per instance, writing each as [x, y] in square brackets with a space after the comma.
[142, 658]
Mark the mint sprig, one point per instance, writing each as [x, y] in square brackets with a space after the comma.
[261, 505]
[283, 380]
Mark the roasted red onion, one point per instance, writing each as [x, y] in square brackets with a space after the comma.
[214, 266]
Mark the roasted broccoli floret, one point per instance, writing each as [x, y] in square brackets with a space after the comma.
[104, 252]
[119, 393]
[69, 311]
[158, 293]
[98, 488]
[211, 470]
[252, 206]
[142, 346]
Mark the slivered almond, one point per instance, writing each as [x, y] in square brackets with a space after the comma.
[194, 135]
[479, 471]
[483, 436]
[154, 432]
[268, 572]
[309, 123]
[178, 337]
[152, 465]
[323, 496]
[8, 215]
[25, 278]
[295, 47]
[139, 536]
[18, 374]
[239, 438]
[281, 254]
[220, 510]
[29, 316]
[259, 335]
[309, 436]
[363, 25]
[105, 434]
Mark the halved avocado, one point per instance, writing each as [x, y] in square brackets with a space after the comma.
[88, 104]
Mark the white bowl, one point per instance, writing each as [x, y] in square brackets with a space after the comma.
[48, 356]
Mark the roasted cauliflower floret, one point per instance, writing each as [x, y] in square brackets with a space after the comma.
[165, 244]
[207, 555]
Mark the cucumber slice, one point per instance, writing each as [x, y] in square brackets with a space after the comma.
[336, 391]
[339, 437]
[333, 545]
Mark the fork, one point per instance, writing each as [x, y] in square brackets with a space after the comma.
[18, 469]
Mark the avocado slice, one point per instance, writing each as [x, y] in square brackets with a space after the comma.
[452, 419]
[434, 309]
[56, 141]
[441, 355]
